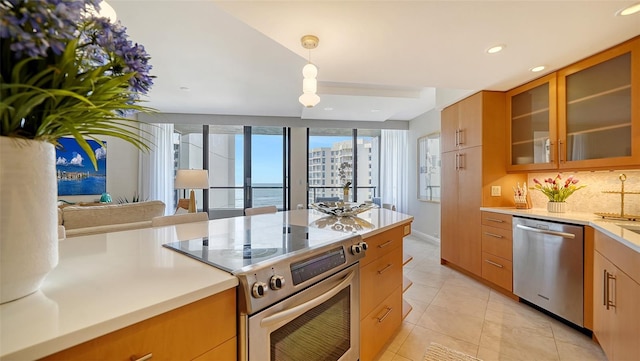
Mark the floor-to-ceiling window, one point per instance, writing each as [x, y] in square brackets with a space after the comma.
[343, 157]
[247, 165]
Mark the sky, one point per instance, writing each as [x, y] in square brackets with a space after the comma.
[266, 160]
[71, 158]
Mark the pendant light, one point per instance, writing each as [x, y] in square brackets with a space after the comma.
[309, 98]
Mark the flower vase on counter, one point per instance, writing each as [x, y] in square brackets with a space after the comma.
[557, 191]
[557, 207]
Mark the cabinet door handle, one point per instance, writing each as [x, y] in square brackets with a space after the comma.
[494, 220]
[604, 287]
[461, 162]
[457, 162]
[494, 264]
[493, 235]
[380, 319]
[609, 302]
[561, 148]
[383, 245]
[457, 137]
[385, 269]
[461, 136]
[143, 358]
[551, 153]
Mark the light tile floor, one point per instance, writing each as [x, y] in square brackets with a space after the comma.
[458, 312]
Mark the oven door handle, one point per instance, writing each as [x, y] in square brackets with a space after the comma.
[298, 310]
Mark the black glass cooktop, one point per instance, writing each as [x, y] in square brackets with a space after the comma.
[231, 251]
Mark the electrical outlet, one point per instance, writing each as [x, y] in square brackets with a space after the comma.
[496, 191]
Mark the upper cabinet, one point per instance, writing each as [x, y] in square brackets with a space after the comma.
[597, 118]
[531, 123]
[462, 124]
[585, 116]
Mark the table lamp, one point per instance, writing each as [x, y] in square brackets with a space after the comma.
[192, 179]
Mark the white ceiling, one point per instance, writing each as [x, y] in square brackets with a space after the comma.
[377, 60]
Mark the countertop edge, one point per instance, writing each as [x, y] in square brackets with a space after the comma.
[80, 336]
[608, 227]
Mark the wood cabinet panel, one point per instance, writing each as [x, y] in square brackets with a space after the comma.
[469, 193]
[181, 334]
[470, 121]
[498, 242]
[616, 311]
[382, 243]
[449, 128]
[228, 351]
[497, 220]
[379, 278]
[449, 209]
[497, 270]
[379, 325]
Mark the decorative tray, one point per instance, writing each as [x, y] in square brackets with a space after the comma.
[342, 209]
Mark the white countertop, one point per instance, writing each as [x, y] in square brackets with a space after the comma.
[610, 227]
[108, 281]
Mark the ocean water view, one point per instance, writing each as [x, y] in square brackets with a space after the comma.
[86, 186]
[271, 196]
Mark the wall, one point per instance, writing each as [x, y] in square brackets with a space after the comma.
[122, 172]
[426, 224]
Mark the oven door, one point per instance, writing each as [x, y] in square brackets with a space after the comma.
[321, 322]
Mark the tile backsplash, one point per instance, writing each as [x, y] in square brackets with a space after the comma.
[591, 199]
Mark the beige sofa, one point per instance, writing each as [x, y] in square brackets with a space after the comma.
[83, 220]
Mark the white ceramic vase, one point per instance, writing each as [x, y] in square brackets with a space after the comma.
[557, 207]
[28, 216]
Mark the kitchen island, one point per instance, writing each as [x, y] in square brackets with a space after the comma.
[107, 282]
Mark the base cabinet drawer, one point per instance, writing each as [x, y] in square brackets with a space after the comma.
[497, 270]
[226, 351]
[378, 278]
[382, 243]
[379, 325]
[497, 241]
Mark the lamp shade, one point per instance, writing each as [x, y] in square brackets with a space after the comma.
[192, 179]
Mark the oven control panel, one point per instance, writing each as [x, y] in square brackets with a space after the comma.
[266, 283]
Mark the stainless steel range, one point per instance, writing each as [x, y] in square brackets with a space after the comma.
[298, 297]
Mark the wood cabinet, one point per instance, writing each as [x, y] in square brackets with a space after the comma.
[532, 126]
[497, 249]
[381, 290]
[204, 330]
[580, 117]
[470, 167]
[616, 291]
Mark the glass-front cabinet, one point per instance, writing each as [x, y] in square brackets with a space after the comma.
[599, 110]
[584, 116]
[531, 112]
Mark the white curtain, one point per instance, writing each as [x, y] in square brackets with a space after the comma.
[394, 168]
[156, 166]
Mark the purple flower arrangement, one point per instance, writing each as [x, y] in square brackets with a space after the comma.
[65, 71]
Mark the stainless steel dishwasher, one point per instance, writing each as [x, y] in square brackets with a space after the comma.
[548, 266]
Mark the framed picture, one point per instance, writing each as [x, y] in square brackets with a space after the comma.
[429, 168]
[75, 172]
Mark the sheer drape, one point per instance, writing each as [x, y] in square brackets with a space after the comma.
[156, 166]
[394, 159]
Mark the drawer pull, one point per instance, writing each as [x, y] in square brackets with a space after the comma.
[384, 269]
[143, 358]
[385, 244]
[493, 263]
[381, 319]
[494, 220]
[493, 235]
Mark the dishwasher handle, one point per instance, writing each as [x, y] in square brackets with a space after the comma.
[545, 231]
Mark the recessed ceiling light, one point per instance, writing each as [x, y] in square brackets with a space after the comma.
[537, 68]
[328, 109]
[629, 10]
[495, 49]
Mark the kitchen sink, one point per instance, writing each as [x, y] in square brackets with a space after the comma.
[631, 227]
